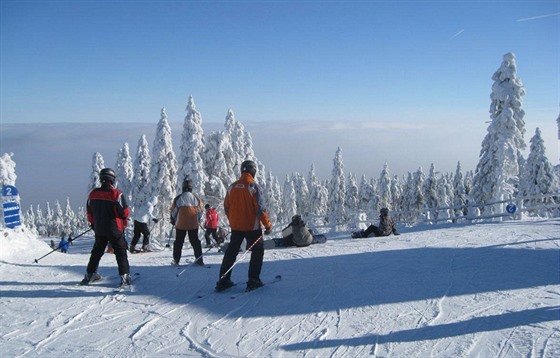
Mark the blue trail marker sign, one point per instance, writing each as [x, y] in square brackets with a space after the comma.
[10, 206]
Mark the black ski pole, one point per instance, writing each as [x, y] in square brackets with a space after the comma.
[69, 241]
[170, 234]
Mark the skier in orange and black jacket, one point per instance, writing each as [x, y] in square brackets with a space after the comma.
[245, 210]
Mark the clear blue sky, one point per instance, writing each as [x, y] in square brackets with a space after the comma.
[121, 61]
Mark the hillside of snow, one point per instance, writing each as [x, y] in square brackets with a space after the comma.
[481, 290]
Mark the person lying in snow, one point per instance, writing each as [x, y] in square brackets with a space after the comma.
[297, 233]
[385, 228]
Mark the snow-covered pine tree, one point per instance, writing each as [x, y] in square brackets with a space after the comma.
[57, 223]
[97, 164]
[219, 177]
[124, 172]
[40, 222]
[289, 201]
[276, 189]
[318, 198]
[302, 194]
[235, 132]
[81, 219]
[501, 161]
[539, 178]
[320, 202]
[337, 205]
[312, 177]
[374, 182]
[272, 196]
[7, 170]
[141, 180]
[30, 219]
[444, 197]
[70, 220]
[163, 174]
[191, 165]
[396, 193]
[248, 151]
[352, 199]
[366, 194]
[413, 199]
[407, 200]
[431, 191]
[384, 189]
[49, 220]
[459, 192]
[469, 177]
[419, 201]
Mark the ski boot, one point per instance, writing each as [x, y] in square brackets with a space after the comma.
[224, 284]
[125, 280]
[253, 284]
[199, 262]
[90, 277]
[358, 234]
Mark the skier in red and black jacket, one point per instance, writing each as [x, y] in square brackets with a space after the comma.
[107, 213]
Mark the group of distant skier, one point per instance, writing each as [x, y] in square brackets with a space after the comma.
[108, 213]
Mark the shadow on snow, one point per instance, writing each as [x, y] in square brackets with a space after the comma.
[318, 284]
[474, 325]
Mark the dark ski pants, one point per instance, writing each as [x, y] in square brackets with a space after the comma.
[141, 229]
[375, 230]
[214, 233]
[119, 248]
[372, 229]
[257, 253]
[180, 240]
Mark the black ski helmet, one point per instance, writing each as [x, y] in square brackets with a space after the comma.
[384, 211]
[107, 175]
[250, 167]
[187, 185]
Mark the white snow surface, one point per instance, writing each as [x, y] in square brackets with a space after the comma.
[478, 290]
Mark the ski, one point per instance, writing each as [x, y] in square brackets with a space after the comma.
[128, 287]
[277, 278]
[84, 283]
[187, 264]
[214, 291]
[184, 268]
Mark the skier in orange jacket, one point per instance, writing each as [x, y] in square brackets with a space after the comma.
[245, 210]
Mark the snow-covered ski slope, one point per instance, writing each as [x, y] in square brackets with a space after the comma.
[482, 290]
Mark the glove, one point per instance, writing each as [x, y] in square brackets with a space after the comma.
[155, 220]
[172, 221]
[268, 230]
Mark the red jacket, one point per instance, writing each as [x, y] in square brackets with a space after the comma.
[107, 211]
[212, 219]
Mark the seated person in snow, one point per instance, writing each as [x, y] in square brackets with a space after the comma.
[385, 228]
[297, 233]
